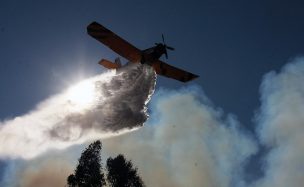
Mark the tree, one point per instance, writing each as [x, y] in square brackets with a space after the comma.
[122, 174]
[88, 172]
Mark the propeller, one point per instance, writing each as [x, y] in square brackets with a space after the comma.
[166, 47]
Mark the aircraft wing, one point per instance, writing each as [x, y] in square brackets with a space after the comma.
[167, 70]
[114, 42]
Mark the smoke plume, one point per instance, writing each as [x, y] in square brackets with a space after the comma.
[281, 126]
[186, 141]
[95, 108]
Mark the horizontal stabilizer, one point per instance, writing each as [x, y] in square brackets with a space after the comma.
[108, 64]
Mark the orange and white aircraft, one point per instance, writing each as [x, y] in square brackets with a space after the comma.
[148, 56]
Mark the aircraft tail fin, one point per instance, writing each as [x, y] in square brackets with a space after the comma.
[110, 65]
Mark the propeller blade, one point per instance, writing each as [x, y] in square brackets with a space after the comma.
[166, 47]
[170, 48]
[166, 54]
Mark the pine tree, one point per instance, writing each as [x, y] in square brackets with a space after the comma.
[122, 174]
[88, 173]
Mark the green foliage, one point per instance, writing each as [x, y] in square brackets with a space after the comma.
[88, 173]
[122, 174]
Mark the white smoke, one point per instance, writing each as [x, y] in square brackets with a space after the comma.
[281, 126]
[94, 108]
[188, 142]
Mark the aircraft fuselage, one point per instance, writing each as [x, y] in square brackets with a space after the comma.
[148, 56]
[152, 54]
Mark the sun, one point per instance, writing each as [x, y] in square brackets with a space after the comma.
[82, 95]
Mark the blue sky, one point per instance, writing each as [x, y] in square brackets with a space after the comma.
[230, 44]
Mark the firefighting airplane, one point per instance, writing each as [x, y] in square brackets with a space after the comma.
[148, 56]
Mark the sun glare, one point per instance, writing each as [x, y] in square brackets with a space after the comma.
[82, 95]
